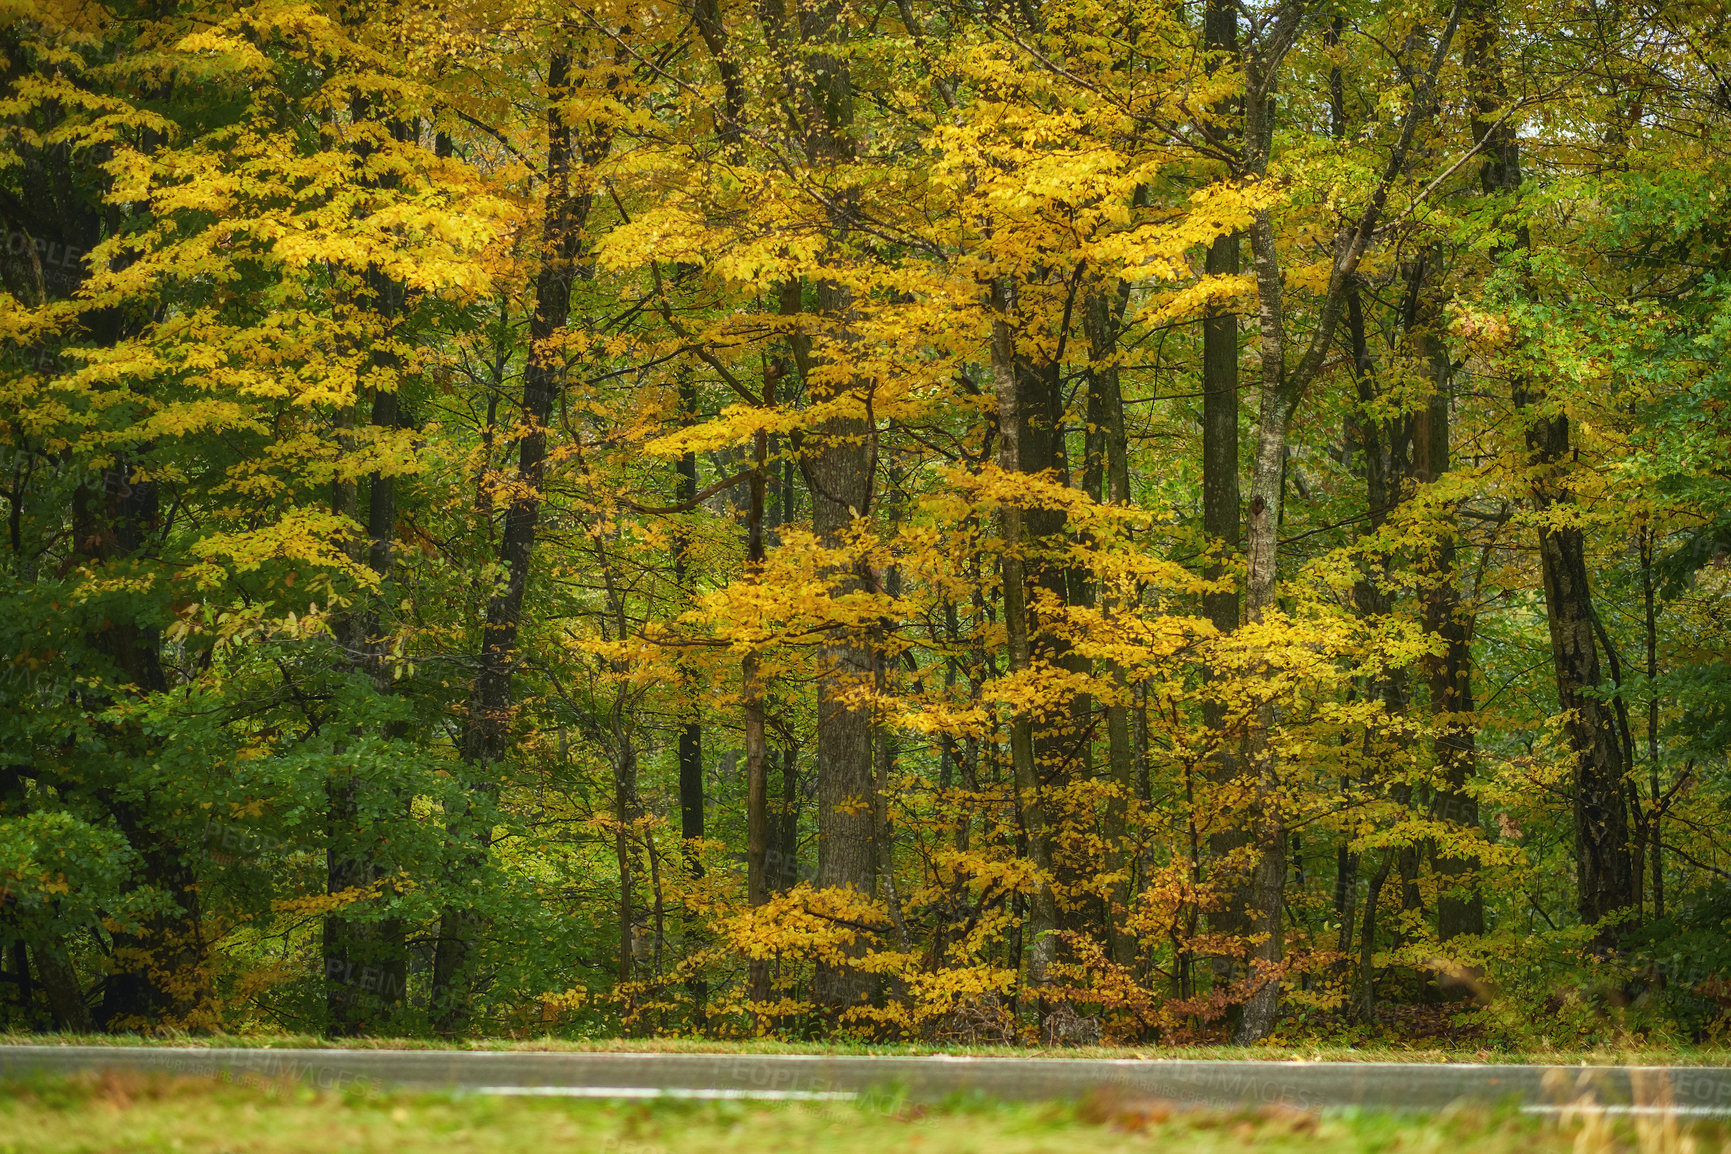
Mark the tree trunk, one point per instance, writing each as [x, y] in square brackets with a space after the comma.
[159, 974]
[691, 733]
[838, 472]
[1222, 523]
[1282, 386]
[1261, 822]
[887, 750]
[756, 744]
[1042, 906]
[66, 1001]
[627, 803]
[1460, 903]
[1604, 874]
[366, 957]
[1383, 453]
[1107, 478]
[627, 813]
[787, 837]
[487, 727]
[1364, 999]
[1650, 623]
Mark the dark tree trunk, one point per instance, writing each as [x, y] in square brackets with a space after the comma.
[1107, 478]
[691, 785]
[691, 733]
[67, 1005]
[1283, 385]
[366, 958]
[837, 475]
[159, 974]
[1460, 903]
[1260, 823]
[627, 805]
[1222, 523]
[1650, 622]
[1603, 870]
[787, 835]
[1383, 455]
[837, 463]
[1013, 399]
[885, 737]
[1059, 732]
[163, 976]
[1364, 998]
[752, 695]
[487, 727]
[712, 27]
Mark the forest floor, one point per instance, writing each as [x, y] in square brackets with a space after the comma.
[117, 1112]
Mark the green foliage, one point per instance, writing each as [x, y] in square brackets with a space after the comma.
[444, 447]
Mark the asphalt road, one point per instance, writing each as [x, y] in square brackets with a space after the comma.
[1691, 1091]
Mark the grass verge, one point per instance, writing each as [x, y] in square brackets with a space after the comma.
[113, 1113]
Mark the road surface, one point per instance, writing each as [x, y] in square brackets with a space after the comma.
[1690, 1091]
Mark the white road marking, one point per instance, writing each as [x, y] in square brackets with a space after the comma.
[665, 1092]
[1626, 1111]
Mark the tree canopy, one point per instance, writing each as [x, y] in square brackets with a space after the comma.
[972, 522]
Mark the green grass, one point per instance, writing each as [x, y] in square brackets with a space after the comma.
[1610, 1055]
[114, 1113]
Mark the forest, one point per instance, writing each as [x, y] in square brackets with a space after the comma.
[973, 522]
